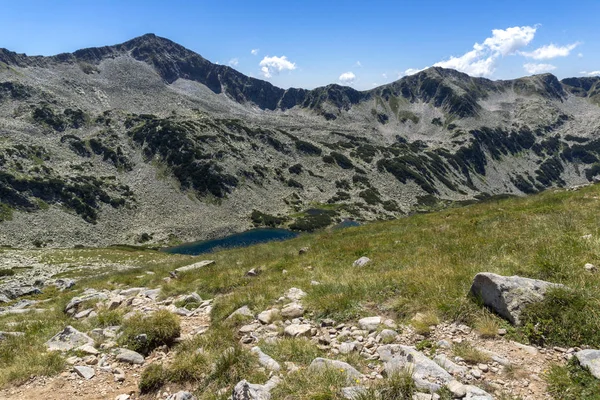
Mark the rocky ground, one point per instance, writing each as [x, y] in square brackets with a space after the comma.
[99, 369]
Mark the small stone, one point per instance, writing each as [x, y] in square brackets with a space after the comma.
[476, 373]
[119, 375]
[501, 332]
[123, 397]
[268, 316]
[295, 294]
[590, 267]
[303, 250]
[296, 330]
[88, 349]
[86, 373]
[361, 262]
[243, 311]
[182, 395]
[457, 389]
[129, 356]
[483, 367]
[369, 323]
[292, 310]
[347, 348]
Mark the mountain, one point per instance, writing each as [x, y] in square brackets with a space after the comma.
[148, 142]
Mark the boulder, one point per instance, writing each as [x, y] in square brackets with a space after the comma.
[244, 390]
[129, 356]
[508, 295]
[591, 360]
[85, 372]
[323, 363]
[457, 389]
[475, 393]
[450, 366]
[12, 292]
[292, 310]
[191, 267]
[265, 360]
[6, 335]
[68, 339]
[347, 347]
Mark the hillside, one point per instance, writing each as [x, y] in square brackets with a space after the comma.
[147, 142]
[416, 282]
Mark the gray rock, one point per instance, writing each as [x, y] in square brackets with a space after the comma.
[72, 306]
[199, 264]
[131, 291]
[88, 349]
[292, 310]
[265, 360]
[457, 389]
[123, 397]
[508, 295]
[85, 372]
[152, 294]
[295, 294]
[295, 330]
[182, 395]
[268, 316]
[353, 392]
[6, 335]
[64, 283]
[129, 356]
[324, 363]
[369, 323]
[13, 292]
[591, 360]
[450, 366]
[244, 390]
[361, 262]
[475, 393]
[387, 334]
[242, 311]
[427, 374]
[68, 339]
[347, 347]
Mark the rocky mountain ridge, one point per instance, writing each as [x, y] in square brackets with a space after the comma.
[148, 142]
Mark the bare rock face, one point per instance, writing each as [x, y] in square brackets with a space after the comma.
[508, 295]
[591, 360]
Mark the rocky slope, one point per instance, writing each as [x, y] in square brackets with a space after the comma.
[148, 142]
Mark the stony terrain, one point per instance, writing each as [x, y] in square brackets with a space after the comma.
[102, 370]
[147, 142]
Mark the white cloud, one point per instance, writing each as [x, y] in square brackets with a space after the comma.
[347, 78]
[384, 76]
[550, 51]
[580, 55]
[233, 62]
[533, 68]
[481, 61]
[590, 73]
[412, 71]
[254, 52]
[358, 64]
[270, 66]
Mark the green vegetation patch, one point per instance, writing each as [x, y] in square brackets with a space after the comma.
[160, 328]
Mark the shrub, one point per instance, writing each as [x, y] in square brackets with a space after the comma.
[110, 318]
[6, 272]
[160, 327]
[152, 379]
[188, 366]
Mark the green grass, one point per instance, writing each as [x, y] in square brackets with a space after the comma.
[423, 263]
[161, 328]
[571, 382]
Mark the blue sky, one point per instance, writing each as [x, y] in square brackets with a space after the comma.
[313, 43]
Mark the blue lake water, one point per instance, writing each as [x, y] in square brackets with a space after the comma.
[243, 239]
